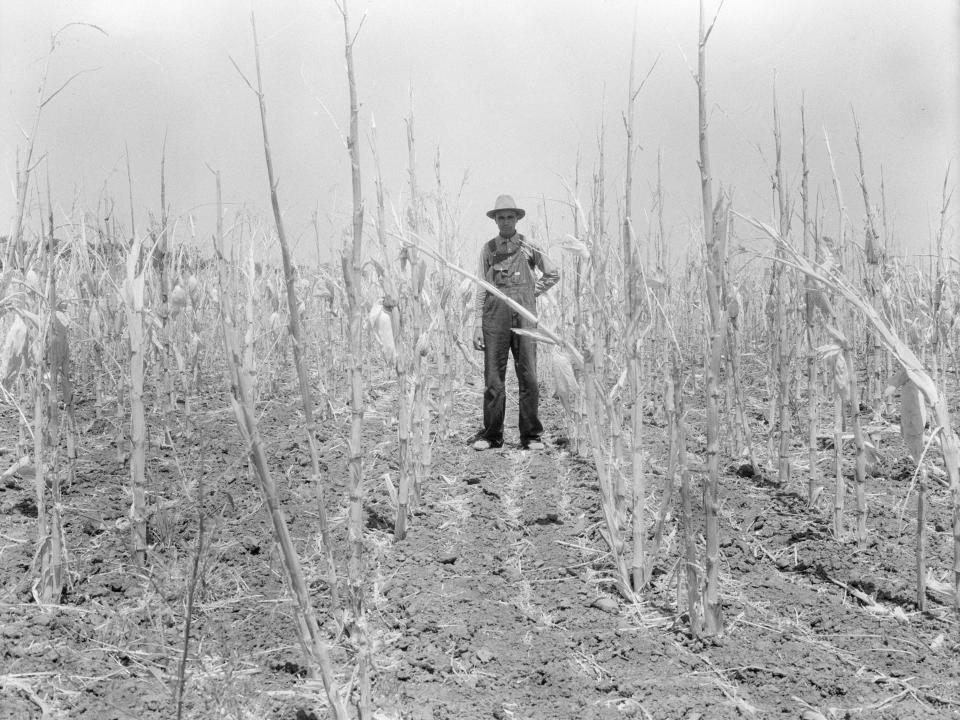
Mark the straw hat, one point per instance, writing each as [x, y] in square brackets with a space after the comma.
[505, 202]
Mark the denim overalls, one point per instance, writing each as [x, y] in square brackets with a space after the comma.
[512, 274]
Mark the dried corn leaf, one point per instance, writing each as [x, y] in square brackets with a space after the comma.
[836, 334]
[828, 352]
[391, 491]
[575, 246]
[656, 279]
[536, 335]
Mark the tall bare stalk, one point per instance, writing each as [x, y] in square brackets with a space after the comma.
[835, 254]
[782, 346]
[691, 563]
[52, 353]
[15, 245]
[632, 312]
[161, 263]
[391, 303]
[241, 382]
[133, 299]
[420, 324]
[296, 334]
[940, 328]
[873, 254]
[352, 273]
[813, 393]
[714, 220]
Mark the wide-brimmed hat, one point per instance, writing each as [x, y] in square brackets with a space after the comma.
[505, 202]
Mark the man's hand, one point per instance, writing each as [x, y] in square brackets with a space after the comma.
[478, 338]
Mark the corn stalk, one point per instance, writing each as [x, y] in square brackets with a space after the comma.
[715, 222]
[632, 311]
[352, 274]
[813, 395]
[387, 324]
[133, 303]
[830, 276]
[781, 344]
[296, 334]
[242, 380]
[873, 254]
[691, 561]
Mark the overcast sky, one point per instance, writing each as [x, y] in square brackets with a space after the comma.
[509, 92]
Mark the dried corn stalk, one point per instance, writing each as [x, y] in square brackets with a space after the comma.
[829, 275]
[132, 296]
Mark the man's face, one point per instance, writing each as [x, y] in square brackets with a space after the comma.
[507, 222]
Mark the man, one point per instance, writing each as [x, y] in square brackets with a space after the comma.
[508, 262]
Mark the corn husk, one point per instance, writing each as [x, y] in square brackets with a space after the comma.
[13, 353]
[178, 300]
[382, 328]
[913, 418]
[466, 289]
[95, 324]
[565, 382]
[193, 346]
[194, 290]
[841, 376]
[276, 322]
[733, 307]
[419, 276]
[178, 356]
[32, 280]
[913, 412]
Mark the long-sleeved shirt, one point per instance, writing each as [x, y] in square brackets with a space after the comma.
[549, 274]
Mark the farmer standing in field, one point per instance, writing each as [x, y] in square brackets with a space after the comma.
[508, 262]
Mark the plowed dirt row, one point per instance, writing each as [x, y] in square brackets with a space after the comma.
[496, 605]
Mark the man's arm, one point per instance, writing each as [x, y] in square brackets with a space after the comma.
[549, 273]
[479, 299]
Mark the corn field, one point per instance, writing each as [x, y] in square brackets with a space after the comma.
[235, 488]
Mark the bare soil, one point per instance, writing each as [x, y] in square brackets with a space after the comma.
[497, 605]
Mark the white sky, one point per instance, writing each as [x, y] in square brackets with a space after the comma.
[508, 91]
